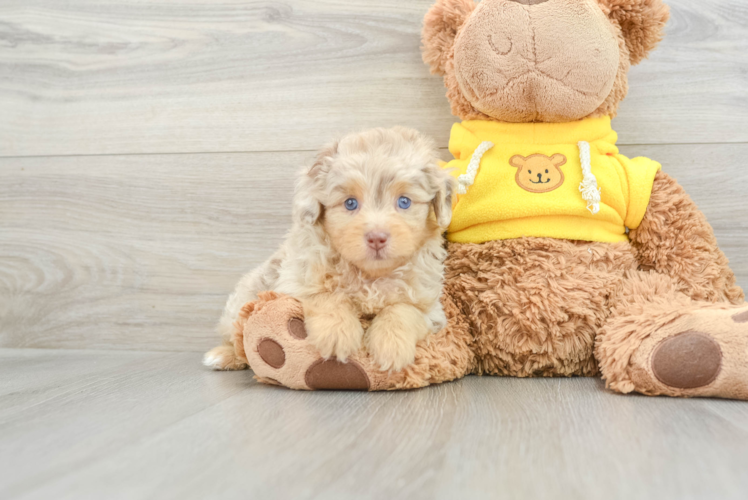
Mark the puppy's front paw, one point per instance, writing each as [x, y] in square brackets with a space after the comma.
[393, 335]
[391, 347]
[334, 334]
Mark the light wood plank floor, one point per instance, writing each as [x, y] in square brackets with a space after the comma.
[104, 424]
[147, 152]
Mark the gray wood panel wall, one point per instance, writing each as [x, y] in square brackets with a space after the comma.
[147, 149]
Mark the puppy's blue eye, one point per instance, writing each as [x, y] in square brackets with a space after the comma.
[351, 204]
[404, 202]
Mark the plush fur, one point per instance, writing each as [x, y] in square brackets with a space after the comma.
[374, 259]
[660, 314]
[546, 307]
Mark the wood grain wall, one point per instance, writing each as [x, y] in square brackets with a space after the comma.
[147, 148]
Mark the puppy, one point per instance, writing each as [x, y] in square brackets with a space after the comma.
[366, 241]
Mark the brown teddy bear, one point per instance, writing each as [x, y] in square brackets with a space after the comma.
[565, 257]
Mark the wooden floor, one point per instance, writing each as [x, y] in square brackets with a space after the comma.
[105, 424]
[147, 152]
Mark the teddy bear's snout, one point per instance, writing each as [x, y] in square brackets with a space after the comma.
[526, 60]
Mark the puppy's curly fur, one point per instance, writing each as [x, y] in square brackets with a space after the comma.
[379, 256]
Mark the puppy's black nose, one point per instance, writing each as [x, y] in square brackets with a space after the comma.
[377, 240]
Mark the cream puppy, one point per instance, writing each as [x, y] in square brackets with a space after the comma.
[366, 241]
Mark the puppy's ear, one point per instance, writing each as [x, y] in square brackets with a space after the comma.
[641, 21]
[442, 202]
[307, 208]
[440, 27]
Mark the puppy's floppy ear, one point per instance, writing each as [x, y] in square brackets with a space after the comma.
[307, 209]
[445, 186]
[641, 21]
[440, 27]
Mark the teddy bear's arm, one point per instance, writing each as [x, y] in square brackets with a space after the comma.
[674, 238]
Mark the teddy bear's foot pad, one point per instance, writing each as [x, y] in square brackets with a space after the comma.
[687, 360]
[272, 334]
[741, 317]
[323, 374]
[703, 353]
[271, 353]
[332, 374]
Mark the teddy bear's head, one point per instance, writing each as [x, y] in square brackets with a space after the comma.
[539, 60]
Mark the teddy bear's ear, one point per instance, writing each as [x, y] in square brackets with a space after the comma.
[440, 27]
[641, 21]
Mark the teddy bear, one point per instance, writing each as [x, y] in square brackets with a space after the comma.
[565, 258]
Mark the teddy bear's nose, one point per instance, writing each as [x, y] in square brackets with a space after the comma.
[529, 2]
[540, 177]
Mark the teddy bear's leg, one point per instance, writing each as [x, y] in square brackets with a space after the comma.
[677, 327]
[658, 341]
[675, 239]
[271, 335]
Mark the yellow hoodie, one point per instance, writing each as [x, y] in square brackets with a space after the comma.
[557, 180]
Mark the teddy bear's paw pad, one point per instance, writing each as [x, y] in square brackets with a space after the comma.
[271, 353]
[741, 317]
[702, 353]
[688, 360]
[331, 374]
[296, 328]
[274, 340]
